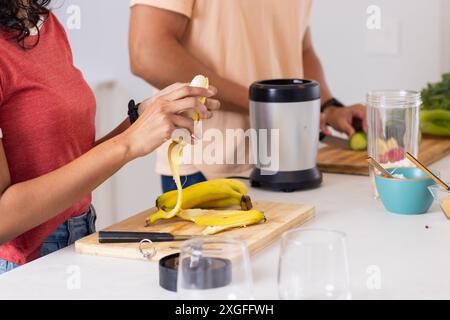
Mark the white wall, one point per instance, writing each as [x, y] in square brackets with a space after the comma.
[340, 36]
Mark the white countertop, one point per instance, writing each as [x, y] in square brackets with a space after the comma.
[413, 261]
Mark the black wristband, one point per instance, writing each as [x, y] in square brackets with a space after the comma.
[333, 102]
[133, 113]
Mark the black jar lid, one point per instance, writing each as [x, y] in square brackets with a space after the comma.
[284, 90]
[209, 272]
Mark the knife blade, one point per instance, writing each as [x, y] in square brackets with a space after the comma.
[131, 237]
[336, 142]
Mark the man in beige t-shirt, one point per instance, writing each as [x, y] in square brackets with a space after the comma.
[233, 43]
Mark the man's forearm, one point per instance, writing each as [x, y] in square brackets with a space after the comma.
[313, 70]
[171, 62]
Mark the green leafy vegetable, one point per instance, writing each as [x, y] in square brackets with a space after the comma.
[437, 95]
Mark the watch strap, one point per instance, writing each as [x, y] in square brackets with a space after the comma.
[133, 113]
[333, 102]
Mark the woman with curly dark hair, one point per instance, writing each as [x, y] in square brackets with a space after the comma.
[49, 159]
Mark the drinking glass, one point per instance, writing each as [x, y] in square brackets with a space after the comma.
[313, 265]
[442, 197]
[393, 120]
[215, 267]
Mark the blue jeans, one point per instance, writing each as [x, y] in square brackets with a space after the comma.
[65, 235]
[168, 184]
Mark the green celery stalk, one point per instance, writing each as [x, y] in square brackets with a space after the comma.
[435, 122]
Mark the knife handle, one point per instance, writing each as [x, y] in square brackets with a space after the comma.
[357, 124]
[131, 237]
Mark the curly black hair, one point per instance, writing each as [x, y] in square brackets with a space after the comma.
[18, 16]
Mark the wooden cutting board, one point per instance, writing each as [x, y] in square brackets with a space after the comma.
[280, 217]
[332, 159]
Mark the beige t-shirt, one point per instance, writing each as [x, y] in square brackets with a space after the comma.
[244, 41]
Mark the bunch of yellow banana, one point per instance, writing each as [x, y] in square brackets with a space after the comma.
[201, 201]
[191, 203]
[212, 194]
[219, 193]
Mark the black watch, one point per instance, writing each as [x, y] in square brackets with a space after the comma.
[333, 102]
[133, 113]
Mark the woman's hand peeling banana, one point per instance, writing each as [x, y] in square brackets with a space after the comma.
[196, 203]
[175, 152]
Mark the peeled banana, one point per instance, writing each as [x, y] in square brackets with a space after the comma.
[221, 220]
[202, 82]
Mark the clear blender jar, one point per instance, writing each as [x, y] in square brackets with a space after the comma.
[393, 121]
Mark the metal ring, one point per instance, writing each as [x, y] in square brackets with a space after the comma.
[147, 255]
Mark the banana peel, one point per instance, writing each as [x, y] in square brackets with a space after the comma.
[175, 152]
[220, 220]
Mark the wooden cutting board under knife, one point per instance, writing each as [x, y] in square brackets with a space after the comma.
[337, 158]
[280, 218]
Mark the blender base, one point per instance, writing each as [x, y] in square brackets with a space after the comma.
[286, 181]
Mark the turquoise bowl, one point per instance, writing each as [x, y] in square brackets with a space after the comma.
[405, 196]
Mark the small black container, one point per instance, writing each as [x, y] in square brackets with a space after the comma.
[208, 273]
